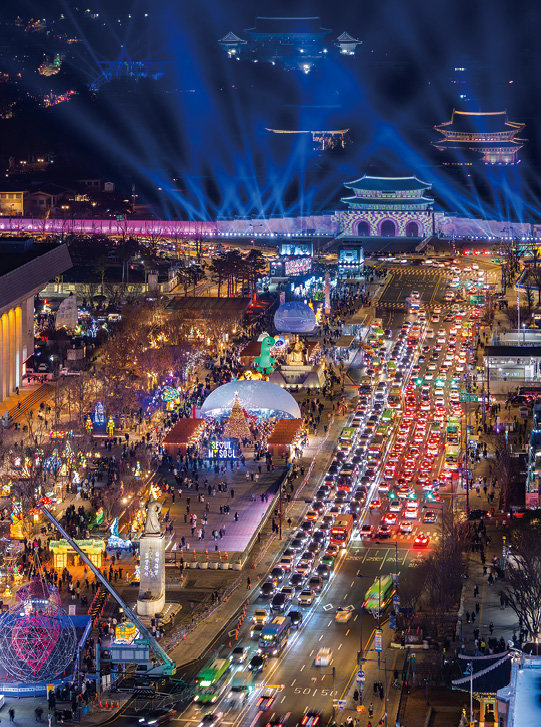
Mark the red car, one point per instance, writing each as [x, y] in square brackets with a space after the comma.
[421, 541]
[375, 505]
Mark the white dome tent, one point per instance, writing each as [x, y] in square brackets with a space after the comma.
[255, 396]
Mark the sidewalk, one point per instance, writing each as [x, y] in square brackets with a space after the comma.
[370, 699]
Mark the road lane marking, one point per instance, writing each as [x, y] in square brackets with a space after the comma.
[302, 667]
[356, 617]
[321, 637]
[330, 622]
[352, 584]
[347, 632]
[339, 647]
[310, 654]
[384, 559]
[293, 682]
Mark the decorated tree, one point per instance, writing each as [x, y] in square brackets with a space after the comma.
[237, 426]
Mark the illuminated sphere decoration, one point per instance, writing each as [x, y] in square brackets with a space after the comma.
[37, 640]
[295, 317]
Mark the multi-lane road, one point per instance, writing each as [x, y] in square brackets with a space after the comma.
[304, 687]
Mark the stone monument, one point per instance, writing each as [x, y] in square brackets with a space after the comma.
[151, 599]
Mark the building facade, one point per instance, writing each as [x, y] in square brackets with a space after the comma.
[23, 273]
[473, 136]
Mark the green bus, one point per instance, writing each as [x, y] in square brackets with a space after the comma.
[347, 434]
[379, 595]
[211, 681]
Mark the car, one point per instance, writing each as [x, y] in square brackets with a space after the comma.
[395, 506]
[323, 657]
[315, 583]
[343, 615]
[384, 531]
[210, 719]
[406, 527]
[278, 602]
[430, 517]
[255, 631]
[296, 545]
[310, 719]
[277, 574]
[288, 592]
[267, 589]
[296, 618]
[366, 530]
[307, 526]
[265, 702]
[286, 562]
[238, 655]
[323, 571]
[306, 598]
[421, 541]
[161, 716]
[312, 515]
[303, 567]
[257, 663]
[375, 505]
[276, 721]
[332, 549]
[390, 518]
[297, 581]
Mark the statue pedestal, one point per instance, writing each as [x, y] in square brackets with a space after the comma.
[151, 599]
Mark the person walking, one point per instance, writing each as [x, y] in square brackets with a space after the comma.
[11, 713]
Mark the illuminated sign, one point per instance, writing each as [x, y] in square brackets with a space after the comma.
[298, 266]
[221, 450]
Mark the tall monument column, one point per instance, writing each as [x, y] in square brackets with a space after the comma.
[151, 599]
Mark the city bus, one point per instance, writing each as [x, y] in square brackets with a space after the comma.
[211, 681]
[347, 435]
[452, 455]
[453, 430]
[341, 530]
[274, 635]
[388, 415]
[379, 595]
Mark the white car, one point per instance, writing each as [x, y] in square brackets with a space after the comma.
[411, 512]
[323, 657]
[343, 615]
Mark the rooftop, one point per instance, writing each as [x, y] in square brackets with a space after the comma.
[479, 122]
[513, 351]
[384, 201]
[285, 431]
[388, 184]
[184, 430]
[25, 272]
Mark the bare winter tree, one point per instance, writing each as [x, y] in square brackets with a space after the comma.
[523, 578]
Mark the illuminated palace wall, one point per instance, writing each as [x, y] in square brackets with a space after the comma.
[324, 225]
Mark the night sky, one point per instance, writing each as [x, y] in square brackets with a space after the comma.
[199, 134]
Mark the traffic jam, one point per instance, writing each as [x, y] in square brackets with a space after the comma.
[395, 460]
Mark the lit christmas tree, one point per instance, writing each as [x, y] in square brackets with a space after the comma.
[237, 426]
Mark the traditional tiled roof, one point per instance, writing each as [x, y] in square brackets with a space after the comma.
[468, 122]
[347, 38]
[388, 184]
[384, 201]
[231, 38]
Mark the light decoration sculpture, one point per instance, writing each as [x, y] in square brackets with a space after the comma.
[37, 640]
